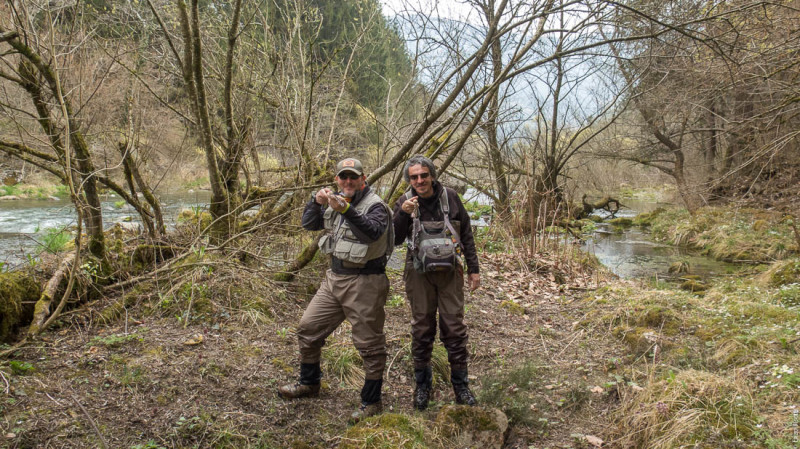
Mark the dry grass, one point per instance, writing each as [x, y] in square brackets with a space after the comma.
[686, 408]
[729, 233]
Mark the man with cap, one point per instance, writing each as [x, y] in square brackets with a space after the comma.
[359, 238]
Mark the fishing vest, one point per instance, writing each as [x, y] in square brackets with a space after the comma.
[435, 245]
[340, 242]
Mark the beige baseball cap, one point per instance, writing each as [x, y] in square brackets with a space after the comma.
[349, 164]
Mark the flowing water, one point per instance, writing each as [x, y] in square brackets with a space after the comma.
[24, 222]
[631, 252]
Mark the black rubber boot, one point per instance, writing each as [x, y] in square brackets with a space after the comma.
[310, 373]
[461, 388]
[422, 391]
[371, 391]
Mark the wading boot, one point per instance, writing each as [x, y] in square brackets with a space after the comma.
[298, 390]
[365, 411]
[422, 391]
[307, 386]
[461, 388]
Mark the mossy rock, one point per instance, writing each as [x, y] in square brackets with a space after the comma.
[512, 308]
[781, 273]
[694, 286]
[473, 427]
[639, 339]
[646, 219]
[621, 221]
[659, 318]
[15, 287]
[388, 430]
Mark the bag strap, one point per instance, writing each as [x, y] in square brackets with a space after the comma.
[444, 204]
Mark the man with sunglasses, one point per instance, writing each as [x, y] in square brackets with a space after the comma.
[359, 238]
[441, 290]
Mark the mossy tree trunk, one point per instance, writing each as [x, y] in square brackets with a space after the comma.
[15, 288]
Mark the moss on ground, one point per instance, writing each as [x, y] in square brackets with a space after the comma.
[389, 431]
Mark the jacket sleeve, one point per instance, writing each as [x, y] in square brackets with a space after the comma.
[402, 222]
[312, 216]
[467, 239]
[369, 226]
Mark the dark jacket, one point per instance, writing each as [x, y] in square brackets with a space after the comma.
[429, 210]
[367, 228]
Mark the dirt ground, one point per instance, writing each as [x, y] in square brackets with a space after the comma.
[152, 380]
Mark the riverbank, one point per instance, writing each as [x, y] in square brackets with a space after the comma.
[569, 354]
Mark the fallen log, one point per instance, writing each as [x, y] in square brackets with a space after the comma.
[41, 310]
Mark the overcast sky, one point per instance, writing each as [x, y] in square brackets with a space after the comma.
[451, 9]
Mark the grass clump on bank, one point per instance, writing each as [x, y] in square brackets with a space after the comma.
[687, 408]
[727, 233]
[26, 191]
[715, 369]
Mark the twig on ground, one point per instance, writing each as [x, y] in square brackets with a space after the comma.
[8, 387]
[91, 421]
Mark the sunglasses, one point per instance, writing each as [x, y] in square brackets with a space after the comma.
[350, 176]
[419, 176]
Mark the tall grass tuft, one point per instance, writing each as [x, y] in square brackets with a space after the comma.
[684, 409]
[344, 363]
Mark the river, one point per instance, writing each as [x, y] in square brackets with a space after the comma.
[629, 253]
[23, 222]
[632, 253]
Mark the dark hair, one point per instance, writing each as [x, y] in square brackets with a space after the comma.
[419, 160]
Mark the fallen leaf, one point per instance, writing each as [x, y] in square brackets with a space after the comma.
[11, 435]
[636, 388]
[597, 389]
[194, 341]
[594, 441]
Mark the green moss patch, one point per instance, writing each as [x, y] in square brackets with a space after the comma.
[15, 287]
[389, 431]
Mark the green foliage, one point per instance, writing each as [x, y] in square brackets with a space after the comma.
[473, 207]
[395, 301]
[487, 241]
[54, 240]
[21, 368]
[33, 192]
